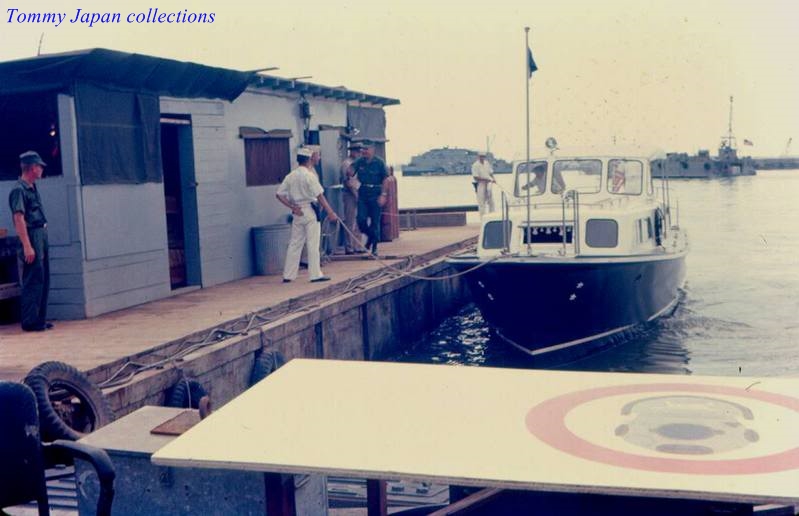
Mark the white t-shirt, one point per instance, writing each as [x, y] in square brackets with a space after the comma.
[482, 170]
[301, 186]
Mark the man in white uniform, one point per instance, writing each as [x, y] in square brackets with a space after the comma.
[297, 191]
[483, 174]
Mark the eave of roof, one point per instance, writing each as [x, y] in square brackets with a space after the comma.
[337, 93]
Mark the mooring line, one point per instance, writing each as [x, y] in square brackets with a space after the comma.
[416, 276]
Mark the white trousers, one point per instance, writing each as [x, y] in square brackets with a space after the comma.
[305, 230]
[485, 201]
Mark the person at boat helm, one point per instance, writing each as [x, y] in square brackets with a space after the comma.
[539, 181]
[483, 174]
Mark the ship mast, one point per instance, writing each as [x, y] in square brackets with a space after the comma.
[729, 140]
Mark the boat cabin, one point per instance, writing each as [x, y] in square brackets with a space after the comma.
[579, 206]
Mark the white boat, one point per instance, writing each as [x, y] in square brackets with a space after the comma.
[590, 254]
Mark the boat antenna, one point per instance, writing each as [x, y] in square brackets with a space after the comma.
[39, 49]
[529, 69]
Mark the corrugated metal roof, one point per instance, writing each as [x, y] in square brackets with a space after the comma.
[158, 75]
[123, 70]
[317, 90]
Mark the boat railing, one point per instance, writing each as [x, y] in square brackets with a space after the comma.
[574, 197]
[505, 223]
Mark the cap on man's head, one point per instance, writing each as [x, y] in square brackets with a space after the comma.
[31, 158]
[305, 151]
[367, 144]
[356, 146]
[483, 154]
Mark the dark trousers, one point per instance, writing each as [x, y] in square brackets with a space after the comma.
[35, 281]
[369, 213]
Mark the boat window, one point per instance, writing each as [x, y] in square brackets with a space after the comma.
[496, 234]
[625, 177]
[538, 178]
[644, 229]
[601, 233]
[582, 175]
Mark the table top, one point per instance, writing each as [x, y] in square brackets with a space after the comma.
[131, 434]
[713, 438]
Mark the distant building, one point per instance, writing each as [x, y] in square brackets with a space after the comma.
[157, 169]
[446, 161]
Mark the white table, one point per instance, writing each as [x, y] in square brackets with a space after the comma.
[698, 438]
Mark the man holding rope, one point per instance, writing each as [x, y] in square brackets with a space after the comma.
[297, 191]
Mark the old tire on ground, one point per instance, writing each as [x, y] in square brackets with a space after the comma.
[69, 404]
[185, 394]
[266, 362]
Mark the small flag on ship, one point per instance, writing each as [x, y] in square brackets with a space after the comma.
[531, 67]
[748, 142]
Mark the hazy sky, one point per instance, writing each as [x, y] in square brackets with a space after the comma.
[651, 73]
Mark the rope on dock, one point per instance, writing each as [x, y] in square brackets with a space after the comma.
[127, 371]
[402, 272]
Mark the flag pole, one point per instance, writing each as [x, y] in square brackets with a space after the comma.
[527, 127]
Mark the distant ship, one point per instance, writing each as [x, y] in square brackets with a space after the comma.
[446, 161]
[703, 165]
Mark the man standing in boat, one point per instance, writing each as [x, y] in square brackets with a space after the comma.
[483, 174]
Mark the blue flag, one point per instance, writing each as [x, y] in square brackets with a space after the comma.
[531, 67]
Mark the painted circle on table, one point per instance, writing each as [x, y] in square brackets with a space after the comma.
[547, 421]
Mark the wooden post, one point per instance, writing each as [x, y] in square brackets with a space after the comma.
[279, 494]
[376, 498]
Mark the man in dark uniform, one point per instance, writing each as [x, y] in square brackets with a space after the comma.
[31, 226]
[371, 172]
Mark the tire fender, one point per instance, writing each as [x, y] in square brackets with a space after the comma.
[185, 394]
[57, 384]
[266, 362]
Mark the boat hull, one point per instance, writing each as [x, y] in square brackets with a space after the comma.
[559, 310]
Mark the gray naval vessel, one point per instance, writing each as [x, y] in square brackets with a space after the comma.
[702, 165]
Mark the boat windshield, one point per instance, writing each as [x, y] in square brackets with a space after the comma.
[537, 178]
[582, 175]
[625, 177]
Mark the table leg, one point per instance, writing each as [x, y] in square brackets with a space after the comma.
[279, 494]
[376, 498]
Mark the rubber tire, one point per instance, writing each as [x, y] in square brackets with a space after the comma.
[266, 363]
[185, 394]
[58, 375]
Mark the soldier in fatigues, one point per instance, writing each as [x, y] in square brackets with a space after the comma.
[31, 226]
[371, 172]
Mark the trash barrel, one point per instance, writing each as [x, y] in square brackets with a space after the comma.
[269, 248]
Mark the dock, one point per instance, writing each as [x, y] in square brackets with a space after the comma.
[367, 311]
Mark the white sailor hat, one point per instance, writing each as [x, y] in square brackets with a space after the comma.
[305, 151]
